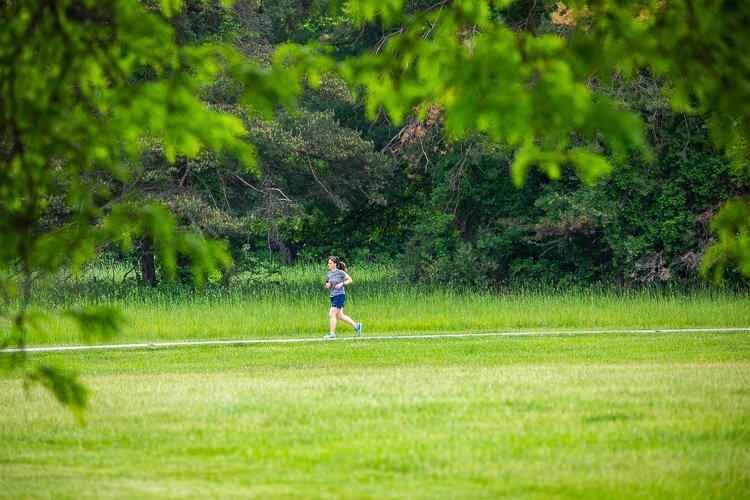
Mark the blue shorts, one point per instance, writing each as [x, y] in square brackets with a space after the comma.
[338, 301]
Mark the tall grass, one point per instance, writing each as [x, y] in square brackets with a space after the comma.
[292, 302]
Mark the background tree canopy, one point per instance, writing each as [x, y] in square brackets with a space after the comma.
[199, 139]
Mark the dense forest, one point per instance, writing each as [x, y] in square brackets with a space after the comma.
[441, 205]
[445, 208]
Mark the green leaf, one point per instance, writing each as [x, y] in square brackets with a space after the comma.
[367, 11]
[97, 323]
[588, 165]
[207, 258]
[64, 385]
[732, 227]
[529, 156]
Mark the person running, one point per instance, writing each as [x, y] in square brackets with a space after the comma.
[336, 279]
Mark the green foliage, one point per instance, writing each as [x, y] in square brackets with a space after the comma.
[695, 45]
[520, 90]
[644, 223]
[84, 87]
[285, 15]
[64, 385]
[362, 11]
[200, 21]
[731, 225]
[536, 91]
[97, 323]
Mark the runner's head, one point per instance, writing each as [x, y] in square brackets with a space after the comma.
[336, 263]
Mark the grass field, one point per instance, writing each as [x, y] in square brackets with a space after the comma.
[292, 302]
[598, 415]
[289, 311]
[606, 415]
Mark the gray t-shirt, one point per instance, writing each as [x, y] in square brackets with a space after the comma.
[334, 278]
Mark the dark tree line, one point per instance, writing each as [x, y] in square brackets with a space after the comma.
[446, 208]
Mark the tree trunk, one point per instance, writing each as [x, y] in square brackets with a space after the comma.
[148, 265]
[183, 269]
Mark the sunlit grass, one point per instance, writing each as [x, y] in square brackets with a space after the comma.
[616, 416]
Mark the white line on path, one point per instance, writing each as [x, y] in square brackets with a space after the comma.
[384, 337]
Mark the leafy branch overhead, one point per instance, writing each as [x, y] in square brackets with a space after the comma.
[517, 88]
[84, 86]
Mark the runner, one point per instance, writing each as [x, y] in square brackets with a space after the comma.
[336, 279]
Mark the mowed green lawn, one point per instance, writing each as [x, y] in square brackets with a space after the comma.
[604, 415]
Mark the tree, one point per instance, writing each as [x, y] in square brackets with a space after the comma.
[84, 86]
[532, 91]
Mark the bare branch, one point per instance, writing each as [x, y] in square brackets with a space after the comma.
[341, 204]
[265, 191]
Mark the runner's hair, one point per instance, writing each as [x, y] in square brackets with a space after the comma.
[340, 264]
